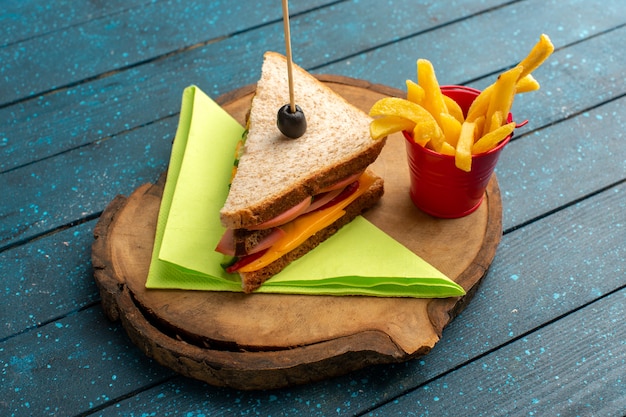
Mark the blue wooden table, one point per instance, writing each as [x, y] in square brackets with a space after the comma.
[89, 101]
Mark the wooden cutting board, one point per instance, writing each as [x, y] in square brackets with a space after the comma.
[264, 341]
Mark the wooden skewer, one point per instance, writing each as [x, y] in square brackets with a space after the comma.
[290, 119]
[292, 102]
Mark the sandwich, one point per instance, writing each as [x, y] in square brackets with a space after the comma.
[289, 195]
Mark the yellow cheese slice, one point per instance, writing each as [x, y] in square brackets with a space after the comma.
[305, 226]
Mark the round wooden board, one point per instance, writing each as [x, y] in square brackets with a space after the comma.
[263, 341]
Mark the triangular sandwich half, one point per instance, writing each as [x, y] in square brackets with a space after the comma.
[289, 195]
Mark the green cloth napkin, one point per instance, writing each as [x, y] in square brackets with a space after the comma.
[360, 259]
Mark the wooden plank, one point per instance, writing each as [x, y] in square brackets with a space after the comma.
[104, 107]
[572, 367]
[583, 262]
[25, 19]
[78, 184]
[116, 41]
[562, 163]
[514, 300]
[101, 108]
[72, 365]
[52, 276]
[487, 43]
[572, 80]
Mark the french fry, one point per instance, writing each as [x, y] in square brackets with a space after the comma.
[454, 109]
[428, 133]
[414, 92]
[451, 128]
[496, 121]
[502, 96]
[426, 128]
[479, 105]
[448, 149]
[537, 55]
[387, 125]
[394, 106]
[433, 99]
[540, 52]
[491, 139]
[480, 125]
[463, 156]
[526, 84]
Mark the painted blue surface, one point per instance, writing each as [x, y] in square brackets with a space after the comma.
[89, 101]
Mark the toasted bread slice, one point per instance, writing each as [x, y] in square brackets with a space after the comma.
[276, 173]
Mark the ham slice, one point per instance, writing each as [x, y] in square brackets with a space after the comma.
[343, 183]
[321, 199]
[284, 217]
[226, 244]
[268, 241]
[344, 193]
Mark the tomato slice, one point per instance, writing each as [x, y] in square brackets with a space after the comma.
[245, 260]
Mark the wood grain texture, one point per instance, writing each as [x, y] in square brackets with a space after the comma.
[547, 365]
[563, 151]
[71, 365]
[28, 19]
[462, 52]
[30, 275]
[72, 53]
[78, 184]
[282, 340]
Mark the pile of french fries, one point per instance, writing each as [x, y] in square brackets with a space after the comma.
[438, 122]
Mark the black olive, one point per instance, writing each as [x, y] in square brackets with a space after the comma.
[292, 125]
